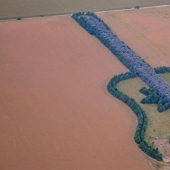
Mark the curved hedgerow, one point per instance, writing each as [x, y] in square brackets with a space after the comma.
[141, 115]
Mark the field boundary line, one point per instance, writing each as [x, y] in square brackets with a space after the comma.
[69, 14]
[131, 9]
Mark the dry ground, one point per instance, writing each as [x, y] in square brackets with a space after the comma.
[20, 8]
[164, 147]
[56, 112]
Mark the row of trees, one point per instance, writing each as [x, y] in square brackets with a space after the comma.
[95, 26]
[141, 115]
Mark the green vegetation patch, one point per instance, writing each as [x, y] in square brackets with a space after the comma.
[158, 123]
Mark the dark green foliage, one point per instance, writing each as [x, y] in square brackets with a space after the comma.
[145, 91]
[162, 69]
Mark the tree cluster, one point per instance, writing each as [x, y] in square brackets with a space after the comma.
[95, 26]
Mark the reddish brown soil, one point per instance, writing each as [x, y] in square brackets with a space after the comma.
[56, 113]
[146, 31]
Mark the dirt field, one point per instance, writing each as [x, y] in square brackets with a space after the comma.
[146, 31]
[22, 8]
[56, 112]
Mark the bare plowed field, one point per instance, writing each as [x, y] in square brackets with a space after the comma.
[146, 31]
[56, 113]
[25, 8]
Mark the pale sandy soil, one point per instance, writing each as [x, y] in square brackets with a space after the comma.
[164, 147]
[55, 110]
[146, 31]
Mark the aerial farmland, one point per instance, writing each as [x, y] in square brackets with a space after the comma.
[56, 111]
[31, 8]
